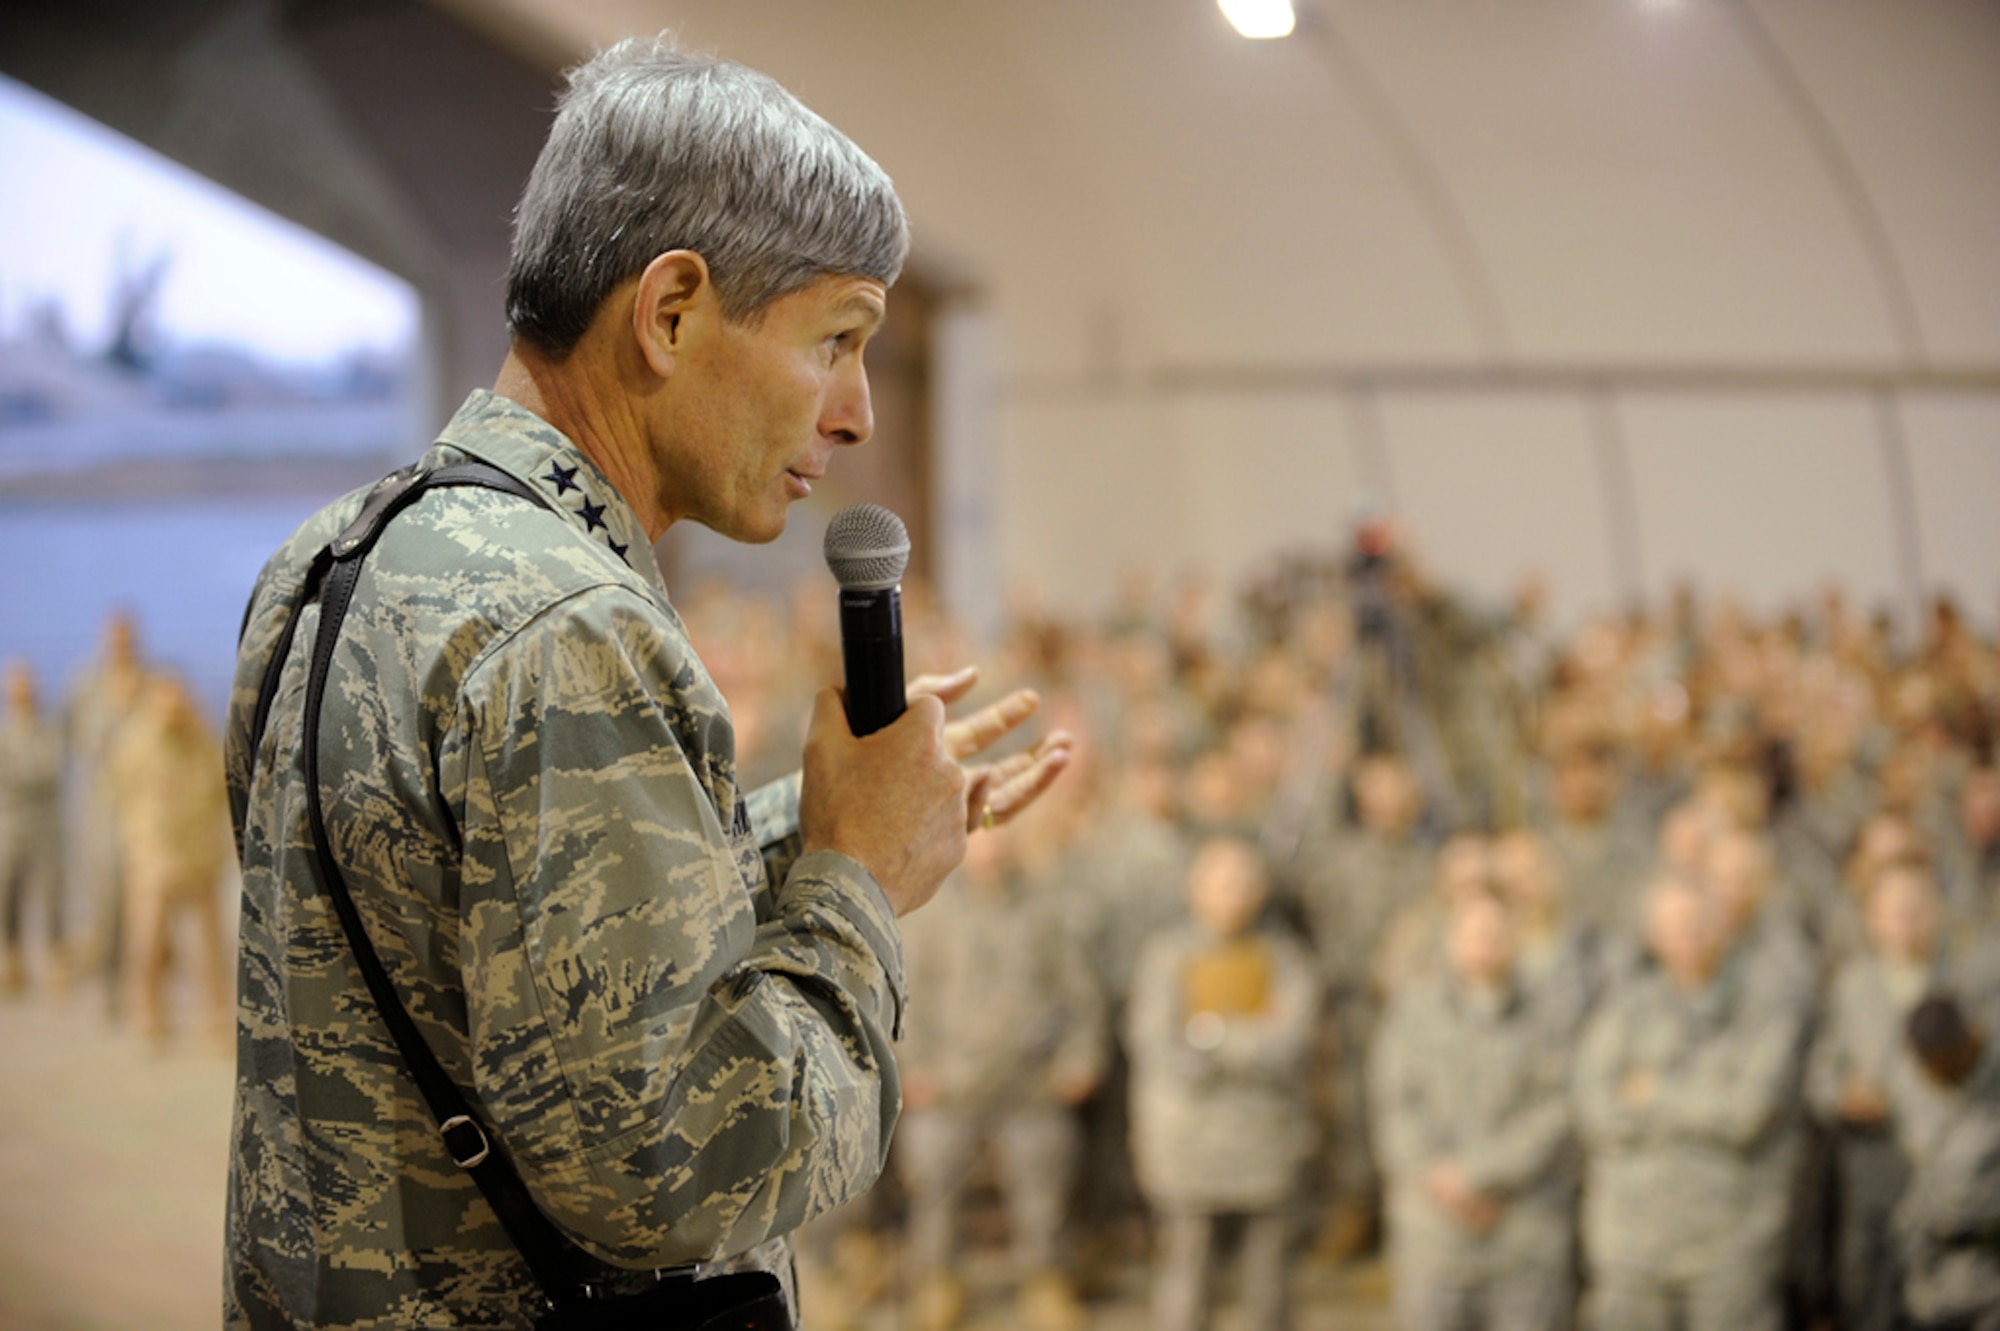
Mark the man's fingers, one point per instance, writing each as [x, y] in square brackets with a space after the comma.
[987, 726]
[976, 792]
[1010, 792]
[829, 713]
[947, 689]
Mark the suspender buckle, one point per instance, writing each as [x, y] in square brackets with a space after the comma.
[466, 1141]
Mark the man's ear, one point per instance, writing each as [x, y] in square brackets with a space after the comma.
[675, 286]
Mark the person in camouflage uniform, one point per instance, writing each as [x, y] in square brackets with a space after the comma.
[100, 701]
[1351, 886]
[173, 833]
[31, 828]
[1686, 1091]
[1948, 1221]
[670, 1003]
[1602, 849]
[1220, 1028]
[1859, 1056]
[1472, 1121]
[1006, 1036]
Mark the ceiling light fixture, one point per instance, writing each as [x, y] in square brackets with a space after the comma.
[1259, 19]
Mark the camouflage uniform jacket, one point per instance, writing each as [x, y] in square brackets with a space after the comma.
[1949, 1218]
[1716, 1142]
[31, 764]
[1225, 1125]
[1005, 1004]
[530, 787]
[1486, 1086]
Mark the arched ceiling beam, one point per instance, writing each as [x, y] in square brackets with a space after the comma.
[1419, 171]
[1833, 158]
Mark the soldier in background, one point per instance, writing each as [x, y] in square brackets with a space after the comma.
[1777, 962]
[31, 831]
[1128, 881]
[1472, 1123]
[1972, 859]
[1564, 965]
[1004, 1036]
[1686, 1100]
[1414, 943]
[1855, 1061]
[1220, 1030]
[1602, 853]
[1949, 1219]
[99, 702]
[1350, 887]
[173, 839]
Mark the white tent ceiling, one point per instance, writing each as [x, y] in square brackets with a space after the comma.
[1710, 183]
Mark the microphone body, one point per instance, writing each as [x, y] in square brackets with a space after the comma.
[867, 549]
[871, 649]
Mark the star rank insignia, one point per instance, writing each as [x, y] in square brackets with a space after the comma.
[563, 478]
[592, 514]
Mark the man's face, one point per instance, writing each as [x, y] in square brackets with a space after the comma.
[1227, 887]
[1684, 934]
[1481, 943]
[764, 404]
[1903, 915]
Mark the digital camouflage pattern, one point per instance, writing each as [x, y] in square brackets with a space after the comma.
[1482, 1081]
[1229, 1126]
[677, 1025]
[1949, 1219]
[1718, 1136]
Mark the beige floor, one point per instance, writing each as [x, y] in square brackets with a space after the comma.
[112, 1161]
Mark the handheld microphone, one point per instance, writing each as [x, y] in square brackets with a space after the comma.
[867, 548]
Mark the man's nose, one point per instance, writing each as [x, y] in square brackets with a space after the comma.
[849, 415]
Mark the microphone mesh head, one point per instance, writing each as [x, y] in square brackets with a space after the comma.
[867, 548]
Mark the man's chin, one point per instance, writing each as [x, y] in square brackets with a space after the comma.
[761, 530]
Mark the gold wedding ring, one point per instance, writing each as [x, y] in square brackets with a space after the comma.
[986, 819]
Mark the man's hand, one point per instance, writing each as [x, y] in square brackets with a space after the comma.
[1449, 1187]
[997, 791]
[895, 800]
[1638, 1089]
[901, 801]
[1863, 1104]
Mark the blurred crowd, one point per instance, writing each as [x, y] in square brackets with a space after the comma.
[1635, 976]
[115, 856]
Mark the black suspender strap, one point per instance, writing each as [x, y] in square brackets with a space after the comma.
[569, 1277]
[558, 1265]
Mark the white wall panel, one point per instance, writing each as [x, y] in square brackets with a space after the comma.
[1089, 489]
[1268, 475]
[1766, 496]
[1954, 447]
[1497, 486]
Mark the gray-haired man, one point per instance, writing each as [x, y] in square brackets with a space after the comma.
[672, 1005]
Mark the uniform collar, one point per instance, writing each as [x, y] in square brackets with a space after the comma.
[501, 431]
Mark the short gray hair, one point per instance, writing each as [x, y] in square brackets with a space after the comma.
[656, 149]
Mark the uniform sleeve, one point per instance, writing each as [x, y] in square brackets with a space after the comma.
[774, 817]
[1153, 1022]
[1085, 1046]
[1602, 1117]
[677, 1080]
[1525, 1146]
[1828, 1063]
[1736, 1088]
[1957, 1195]
[1272, 1046]
[1396, 1093]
